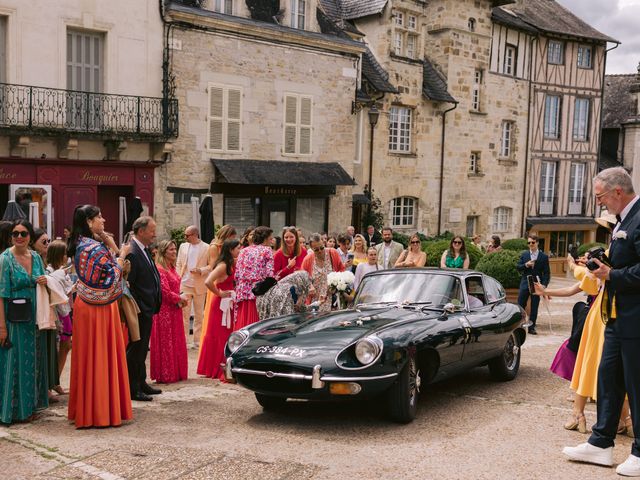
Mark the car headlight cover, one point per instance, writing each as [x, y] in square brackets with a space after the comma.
[236, 339]
[368, 350]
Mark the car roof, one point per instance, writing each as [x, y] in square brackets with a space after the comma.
[457, 272]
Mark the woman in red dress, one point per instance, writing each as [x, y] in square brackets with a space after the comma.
[220, 282]
[290, 256]
[255, 263]
[168, 345]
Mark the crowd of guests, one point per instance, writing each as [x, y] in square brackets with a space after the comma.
[117, 305]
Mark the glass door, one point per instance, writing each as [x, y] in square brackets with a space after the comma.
[276, 213]
[35, 202]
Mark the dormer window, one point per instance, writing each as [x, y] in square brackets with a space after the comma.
[406, 37]
[298, 13]
[223, 6]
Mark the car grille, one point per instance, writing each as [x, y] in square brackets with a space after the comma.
[276, 385]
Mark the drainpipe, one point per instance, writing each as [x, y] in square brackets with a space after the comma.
[523, 225]
[606, 52]
[444, 129]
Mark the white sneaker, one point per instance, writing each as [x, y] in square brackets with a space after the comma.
[630, 467]
[585, 452]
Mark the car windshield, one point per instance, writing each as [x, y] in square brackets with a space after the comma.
[410, 288]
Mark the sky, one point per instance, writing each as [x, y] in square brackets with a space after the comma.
[619, 19]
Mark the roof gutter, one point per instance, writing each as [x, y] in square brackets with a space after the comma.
[441, 189]
[604, 72]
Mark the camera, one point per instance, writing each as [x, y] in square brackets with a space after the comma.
[596, 253]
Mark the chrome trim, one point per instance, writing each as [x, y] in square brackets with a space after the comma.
[270, 374]
[242, 332]
[315, 377]
[375, 338]
[357, 379]
[228, 369]
[316, 381]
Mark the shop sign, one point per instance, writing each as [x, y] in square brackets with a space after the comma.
[7, 175]
[280, 191]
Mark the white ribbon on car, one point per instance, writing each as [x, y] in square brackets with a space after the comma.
[226, 305]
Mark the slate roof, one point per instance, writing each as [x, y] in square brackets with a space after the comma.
[434, 84]
[276, 172]
[510, 19]
[549, 16]
[352, 9]
[377, 76]
[619, 103]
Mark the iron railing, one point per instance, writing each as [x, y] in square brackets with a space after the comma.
[40, 110]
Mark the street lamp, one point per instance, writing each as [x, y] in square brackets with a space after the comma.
[374, 115]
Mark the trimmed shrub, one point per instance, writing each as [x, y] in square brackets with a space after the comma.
[177, 235]
[502, 266]
[582, 249]
[401, 238]
[475, 255]
[434, 250]
[515, 244]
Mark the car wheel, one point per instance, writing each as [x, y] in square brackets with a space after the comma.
[506, 366]
[403, 394]
[268, 402]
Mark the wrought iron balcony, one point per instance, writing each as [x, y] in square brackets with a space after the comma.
[38, 110]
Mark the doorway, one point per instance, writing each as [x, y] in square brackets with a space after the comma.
[108, 201]
[276, 213]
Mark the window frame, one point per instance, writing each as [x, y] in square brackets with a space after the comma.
[552, 131]
[576, 187]
[296, 16]
[476, 91]
[548, 179]
[502, 219]
[403, 131]
[299, 126]
[225, 117]
[513, 66]
[506, 138]
[557, 51]
[223, 6]
[406, 208]
[474, 163]
[580, 57]
[577, 135]
[471, 24]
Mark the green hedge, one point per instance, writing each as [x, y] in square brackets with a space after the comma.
[515, 244]
[582, 249]
[502, 266]
[434, 250]
[401, 238]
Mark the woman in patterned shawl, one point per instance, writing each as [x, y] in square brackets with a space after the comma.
[287, 296]
[99, 394]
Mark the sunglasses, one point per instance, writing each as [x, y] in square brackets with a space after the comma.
[23, 234]
[46, 241]
[414, 242]
[318, 249]
[531, 243]
[457, 242]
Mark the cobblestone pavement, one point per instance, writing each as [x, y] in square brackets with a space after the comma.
[468, 427]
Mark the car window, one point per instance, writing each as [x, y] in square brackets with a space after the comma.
[494, 290]
[475, 292]
[434, 289]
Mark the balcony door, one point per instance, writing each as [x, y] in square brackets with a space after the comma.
[85, 71]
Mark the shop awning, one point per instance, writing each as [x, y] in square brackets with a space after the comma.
[360, 199]
[274, 172]
[590, 221]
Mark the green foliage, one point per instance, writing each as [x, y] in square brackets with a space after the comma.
[401, 238]
[435, 248]
[582, 249]
[177, 235]
[502, 266]
[475, 254]
[515, 244]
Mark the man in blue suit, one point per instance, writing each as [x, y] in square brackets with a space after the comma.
[535, 263]
[619, 370]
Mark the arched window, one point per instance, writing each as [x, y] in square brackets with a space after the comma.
[403, 212]
[502, 219]
[472, 24]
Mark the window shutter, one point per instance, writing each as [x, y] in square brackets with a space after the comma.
[216, 114]
[234, 102]
[305, 125]
[290, 120]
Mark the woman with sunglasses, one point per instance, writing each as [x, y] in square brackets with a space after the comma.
[456, 255]
[412, 257]
[318, 266]
[40, 243]
[23, 361]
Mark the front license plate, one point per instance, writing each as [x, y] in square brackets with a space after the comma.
[281, 351]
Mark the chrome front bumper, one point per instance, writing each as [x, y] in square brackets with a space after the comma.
[317, 379]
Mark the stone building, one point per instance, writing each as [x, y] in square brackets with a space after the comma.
[266, 124]
[82, 115]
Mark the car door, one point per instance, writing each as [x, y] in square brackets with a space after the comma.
[485, 330]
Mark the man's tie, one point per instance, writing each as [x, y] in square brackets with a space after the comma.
[619, 219]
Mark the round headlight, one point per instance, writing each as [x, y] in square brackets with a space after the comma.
[236, 339]
[367, 350]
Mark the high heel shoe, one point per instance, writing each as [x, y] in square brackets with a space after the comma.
[577, 422]
[626, 427]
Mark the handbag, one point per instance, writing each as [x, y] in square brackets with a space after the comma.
[263, 286]
[19, 310]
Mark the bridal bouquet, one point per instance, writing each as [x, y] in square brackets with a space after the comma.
[340, 284]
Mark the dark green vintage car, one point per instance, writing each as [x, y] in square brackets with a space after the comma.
[407, 328]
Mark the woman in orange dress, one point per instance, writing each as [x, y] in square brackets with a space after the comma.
[220, 282]
[99, 393]
[224, 233]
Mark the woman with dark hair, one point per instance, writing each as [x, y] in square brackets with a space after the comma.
[255, 263]
[168, 346]
[99, 395]
[247, 237]
[494, 244]
[456, 255]
[5, 234]
[220, 283]
[291, 254]
[40, 242]
[23, 361]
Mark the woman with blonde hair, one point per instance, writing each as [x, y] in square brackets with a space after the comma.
[168, 345]
[413, 256]
[359, 250]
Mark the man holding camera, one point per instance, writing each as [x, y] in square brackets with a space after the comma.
[618, 371]
[535, 264]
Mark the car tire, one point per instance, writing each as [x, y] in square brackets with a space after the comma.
[270, 403]
[403, 394]
[505, 367]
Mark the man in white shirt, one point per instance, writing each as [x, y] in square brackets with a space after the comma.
[193, 267]
[389, 250]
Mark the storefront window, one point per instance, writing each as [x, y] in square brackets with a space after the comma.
[34, 200]
[241, 212]
[311, 214]
[561, 243]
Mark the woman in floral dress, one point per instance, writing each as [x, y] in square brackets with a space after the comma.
[255, 263]
[318, 266]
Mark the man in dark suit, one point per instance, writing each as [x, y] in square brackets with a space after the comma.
[144, 283]
[372, 236]
[535, 263]
[619, 369]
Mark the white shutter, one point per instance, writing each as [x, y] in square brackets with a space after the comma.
[305, 125]
[290, 122]
[234, 109]
[216, 117]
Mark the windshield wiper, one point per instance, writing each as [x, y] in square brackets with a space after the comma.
[375, 304]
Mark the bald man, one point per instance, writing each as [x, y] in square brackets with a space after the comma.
[193, 267]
